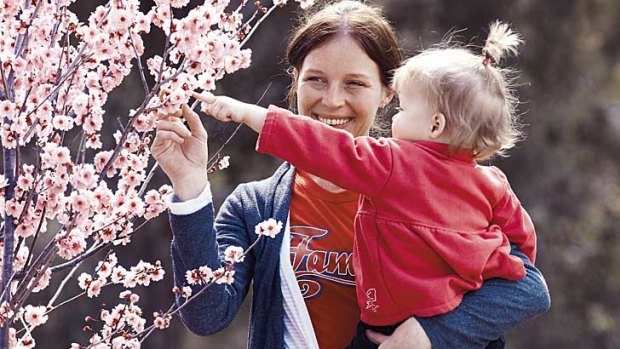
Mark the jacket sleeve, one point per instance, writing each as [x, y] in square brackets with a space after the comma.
[198, 241]
[362, 164]
[514, 221]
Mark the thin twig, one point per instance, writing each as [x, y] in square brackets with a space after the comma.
[140, 68]
[271, 9]
[62, 286]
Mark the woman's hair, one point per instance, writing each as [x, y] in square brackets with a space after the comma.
[363, 23]
[475, 95]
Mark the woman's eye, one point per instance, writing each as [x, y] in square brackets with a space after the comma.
[356, 83]
[314, 79]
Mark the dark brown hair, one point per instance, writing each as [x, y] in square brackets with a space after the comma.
[363, 23]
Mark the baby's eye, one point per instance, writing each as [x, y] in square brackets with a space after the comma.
[399, 109]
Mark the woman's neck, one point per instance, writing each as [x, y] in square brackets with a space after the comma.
[329, 186]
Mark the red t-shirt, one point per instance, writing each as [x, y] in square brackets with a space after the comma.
[321, 255]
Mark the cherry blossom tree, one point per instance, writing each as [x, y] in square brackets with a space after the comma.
[65, 197]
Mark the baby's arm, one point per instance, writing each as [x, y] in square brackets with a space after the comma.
[229, 109]
[359, 164]
[514, 221]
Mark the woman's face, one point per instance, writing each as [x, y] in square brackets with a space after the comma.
[339, 85]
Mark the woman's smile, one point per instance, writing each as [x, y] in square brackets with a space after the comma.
[331, 120]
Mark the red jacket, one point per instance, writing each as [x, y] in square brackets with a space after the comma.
[429, 227]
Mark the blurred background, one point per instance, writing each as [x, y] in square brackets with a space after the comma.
[566, 173]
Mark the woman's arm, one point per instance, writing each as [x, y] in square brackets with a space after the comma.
[489, 312]
[181, 151]
[198, 241]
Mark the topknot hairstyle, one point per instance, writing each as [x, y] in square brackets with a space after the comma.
[475, 95]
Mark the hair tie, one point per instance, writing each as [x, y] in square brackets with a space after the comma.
[487, 58]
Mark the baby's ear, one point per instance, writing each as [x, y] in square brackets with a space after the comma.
[388, 95]
[438, 125]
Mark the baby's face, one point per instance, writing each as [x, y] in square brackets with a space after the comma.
[414, 120]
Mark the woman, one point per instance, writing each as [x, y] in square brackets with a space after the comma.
[303, 293]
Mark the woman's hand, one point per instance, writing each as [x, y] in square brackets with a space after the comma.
[182, 153]
[408, 335]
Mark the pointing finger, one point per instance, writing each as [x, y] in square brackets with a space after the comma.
[205, 97]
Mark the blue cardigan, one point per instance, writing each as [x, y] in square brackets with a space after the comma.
[195, 244]
[199, 239]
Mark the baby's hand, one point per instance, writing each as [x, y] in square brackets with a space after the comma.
[224, 108]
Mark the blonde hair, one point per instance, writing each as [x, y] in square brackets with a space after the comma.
[475, 96]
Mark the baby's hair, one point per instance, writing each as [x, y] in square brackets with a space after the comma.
[472, 91]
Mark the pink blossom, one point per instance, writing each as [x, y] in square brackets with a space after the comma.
[84, 176]
[24, 182]
[84, 280]
[93, 142]
[128, 295]
[26, 342]
[80, 104]
[230, 22]
[5, 312]
[152, 197]
[118, 274]
[104, 270]
[269, 228]
[198, 276]
[8, 109]
[192, 277]
[157, 273]
[21, 257]
[234, 254]
[35, 316]
[162, 321]
[44, 280]
[94, 288]
[101, 159]
[178, 3]
[135, 207]
[124, 343]
[120, 19]
[13, 207]
[112, 259]
[62, 122]
[232, 64]
[223, 276]
[71, 244]
[186, 292]
[223, 162]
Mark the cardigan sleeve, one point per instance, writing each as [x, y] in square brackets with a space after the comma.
[198, 241]
[361, 164]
